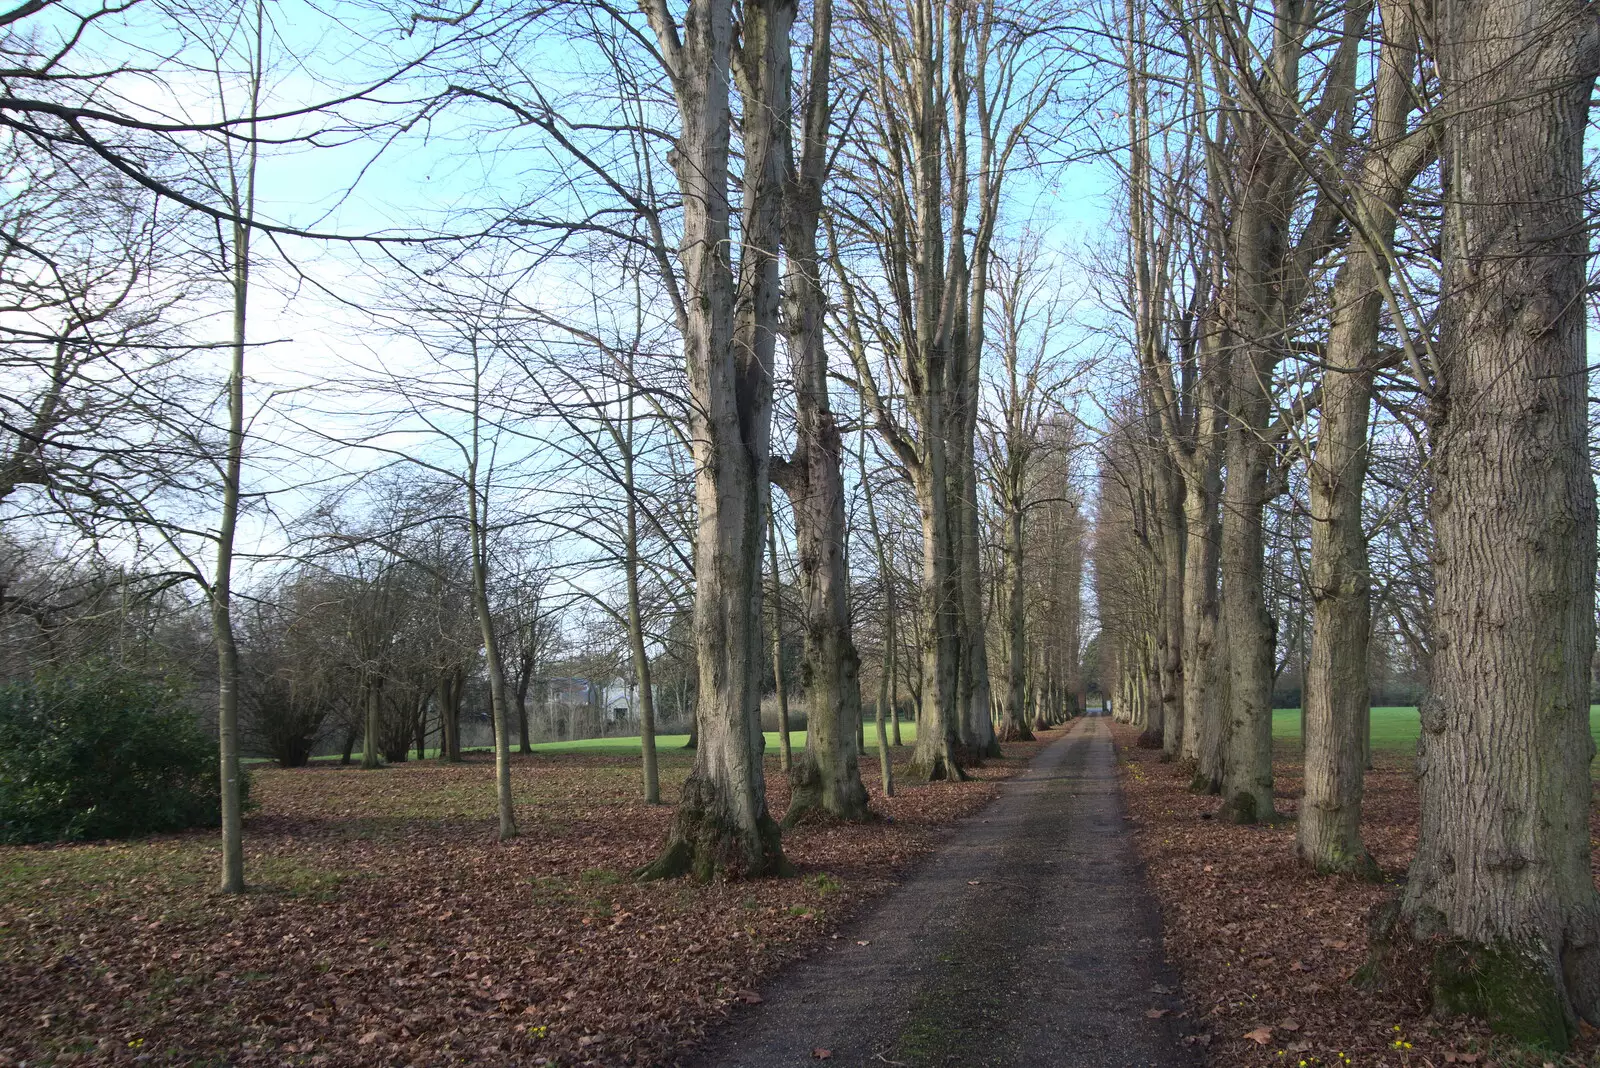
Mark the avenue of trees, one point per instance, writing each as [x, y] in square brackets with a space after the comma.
[501, 407]
[1354, 435]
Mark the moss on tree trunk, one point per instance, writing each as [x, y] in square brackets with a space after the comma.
[708, 842]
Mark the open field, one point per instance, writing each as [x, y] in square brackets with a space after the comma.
[387, 926]
[629, 744]
[1392, 728]
[797, 740]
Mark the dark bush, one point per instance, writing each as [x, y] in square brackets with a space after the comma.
[280, 719]
[101, 753]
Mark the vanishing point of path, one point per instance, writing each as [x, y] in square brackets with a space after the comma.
[1028, 940]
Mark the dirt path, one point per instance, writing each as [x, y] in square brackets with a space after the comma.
[1028, 940]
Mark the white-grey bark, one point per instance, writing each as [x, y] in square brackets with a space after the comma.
[722, 823]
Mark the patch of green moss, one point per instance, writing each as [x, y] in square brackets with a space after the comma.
[1515, 988]
[600, 877]
[706, 843]
[954, 1020]
[823, 883]
[1510, 986]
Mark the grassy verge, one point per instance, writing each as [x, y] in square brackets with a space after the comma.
[1392, 728]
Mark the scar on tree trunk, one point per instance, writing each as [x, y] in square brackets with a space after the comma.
[707, 842]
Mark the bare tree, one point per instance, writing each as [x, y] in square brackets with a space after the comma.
[1337, 688]
[1028, 320]
[1501, 890]
[828, 776]
[729, 330]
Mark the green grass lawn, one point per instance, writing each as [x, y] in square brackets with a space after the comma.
[1392, 728]
[630, 744]
[797, 739]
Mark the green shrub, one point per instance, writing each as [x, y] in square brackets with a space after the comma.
[101, 753]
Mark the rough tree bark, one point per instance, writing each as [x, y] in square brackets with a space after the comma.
[1328, 835]
[828, 774]
[1247, 769]
[372, 718]
[888, 693]
[934, 755]
[1268, 282]
[1014, 714]
[1500, 888]
[1181, 378]
[1200, 623]
[1167, 515]
[722, 824]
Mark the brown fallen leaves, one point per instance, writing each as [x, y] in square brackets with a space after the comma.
[1267, 948]
[386, 926]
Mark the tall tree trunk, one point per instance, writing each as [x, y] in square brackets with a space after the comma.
[1267, 284]
[1170, 640]
[372, 711]
[933, 757]
[894, 693]
[888, 683]
[478, 484]
[880, 716]
[642, 680]
[650, 766]
[1014, 721]
[1501, 886]
[1247, 774]
[829, 775]
[241, 194]
[1147, 679]
[1200, 620]
[1337, 691]
[448, 694]
[524, 680]
[722, 823]
[976, 692]
[232, 877]
[780, 685]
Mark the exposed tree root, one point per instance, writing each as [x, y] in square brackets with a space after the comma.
[706, 842]
[1516, 988]
[942, 767]
[1015, 730]
[808, 799]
